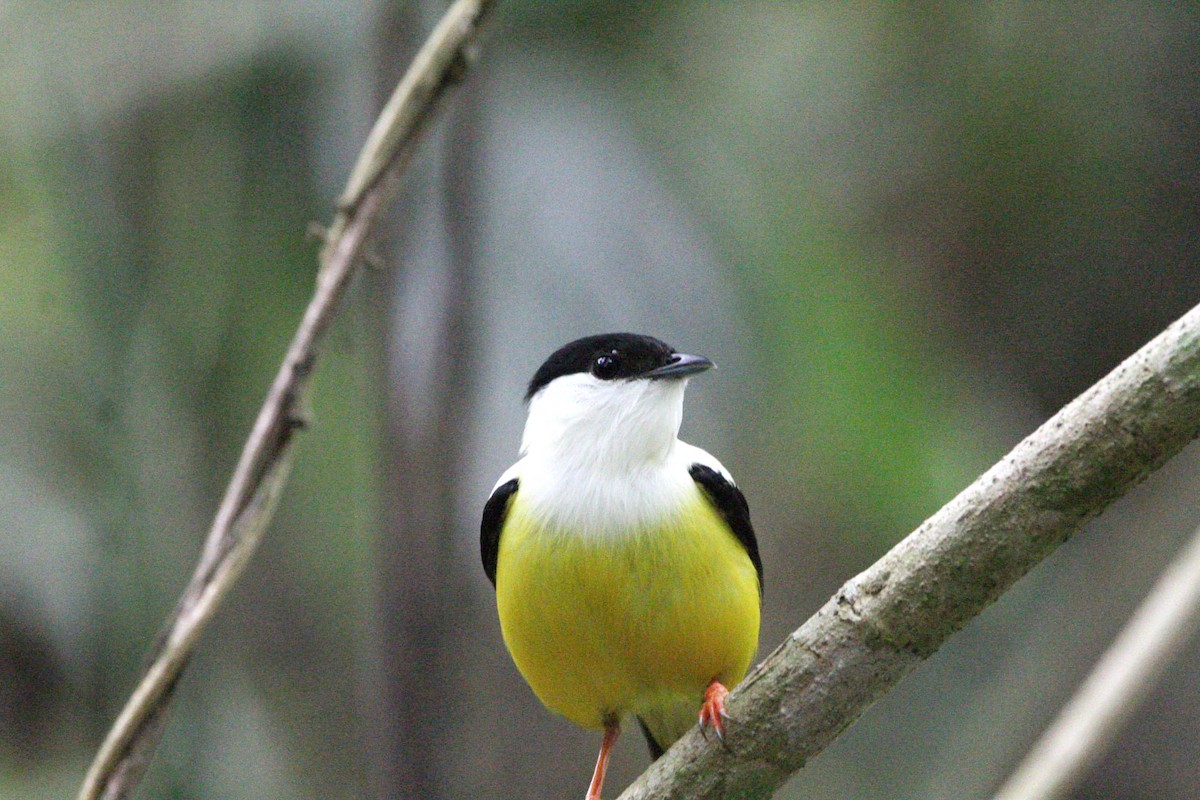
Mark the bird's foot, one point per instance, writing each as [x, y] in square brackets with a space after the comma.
[712, 710]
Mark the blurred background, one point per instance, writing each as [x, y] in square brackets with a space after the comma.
[907, 237]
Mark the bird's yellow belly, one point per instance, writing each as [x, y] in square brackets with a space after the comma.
[601, 625]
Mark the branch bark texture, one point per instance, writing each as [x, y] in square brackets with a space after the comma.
[887, 620]
[262, 470]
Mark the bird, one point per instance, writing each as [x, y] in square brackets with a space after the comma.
[627, 574]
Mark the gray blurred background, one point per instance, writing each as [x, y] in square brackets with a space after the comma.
[907, 236]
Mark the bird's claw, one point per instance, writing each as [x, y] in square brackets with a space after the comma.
[712, 711]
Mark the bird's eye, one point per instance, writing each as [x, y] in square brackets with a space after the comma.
[605, 366]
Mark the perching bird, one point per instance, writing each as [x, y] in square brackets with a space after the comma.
[626, 570]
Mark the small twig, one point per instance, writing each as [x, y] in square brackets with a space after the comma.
[886, 621]
[262, 470]
[1152, 637]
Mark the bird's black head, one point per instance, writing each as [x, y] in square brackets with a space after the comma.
[616, 356]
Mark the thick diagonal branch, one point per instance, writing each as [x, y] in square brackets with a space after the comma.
[887, 620]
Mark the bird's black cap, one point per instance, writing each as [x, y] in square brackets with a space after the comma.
[616, 356]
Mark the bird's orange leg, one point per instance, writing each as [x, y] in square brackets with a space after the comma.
[712, 710]
[611, 731]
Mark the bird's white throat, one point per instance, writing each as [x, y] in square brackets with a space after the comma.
[610, 425]
[603, 456]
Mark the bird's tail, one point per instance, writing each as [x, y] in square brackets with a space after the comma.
[665, 722]
[656, 749]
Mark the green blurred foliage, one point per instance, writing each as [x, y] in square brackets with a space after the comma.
[154, 267]
[933, 224]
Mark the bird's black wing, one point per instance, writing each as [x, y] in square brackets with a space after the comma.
[493, 520]
[731, 504]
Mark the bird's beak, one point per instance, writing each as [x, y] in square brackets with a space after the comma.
[681, 366]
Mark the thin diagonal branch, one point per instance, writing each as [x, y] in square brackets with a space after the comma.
[1123, 677]
[262, 470]
[887, 620]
